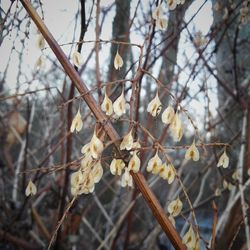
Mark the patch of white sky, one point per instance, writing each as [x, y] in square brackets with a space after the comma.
[60, 19]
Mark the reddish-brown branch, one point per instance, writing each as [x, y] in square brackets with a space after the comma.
[215, 220]
[111, 132]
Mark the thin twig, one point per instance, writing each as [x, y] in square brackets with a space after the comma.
[215, 220]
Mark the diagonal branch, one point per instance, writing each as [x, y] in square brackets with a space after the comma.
[139, 179]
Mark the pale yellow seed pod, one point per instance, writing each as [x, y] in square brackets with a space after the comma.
[189, 238]
[127, 142]
[30, 189]
[97, 172]
[119, 105]
[236, 175]
[171, 4]
[116, 166]
[74, 191]
[223, 161]
[176, 122]
[225, 184]
[168, 115]
[76, 123]
[161, 23]
[192, 153]
[170, 173]
[76, 179]
[158, 12]
[217, 192]
[126, 180]
[154, 164]
[85, 149]
[175, 207]
[18, 123]
[134, 163]
[178, 133]
[96, 146]
[88, 184]
[225, 16]
[197, 244]
[107, 105]
[155, 106]
[118, 61]
[40, 63]
[77, 59]
[176, 128]
[167, 172]
[86, 162]
[40, 42]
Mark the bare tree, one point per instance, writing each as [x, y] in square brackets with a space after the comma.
[111, 136]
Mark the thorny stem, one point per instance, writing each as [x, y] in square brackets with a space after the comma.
[139, 179]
